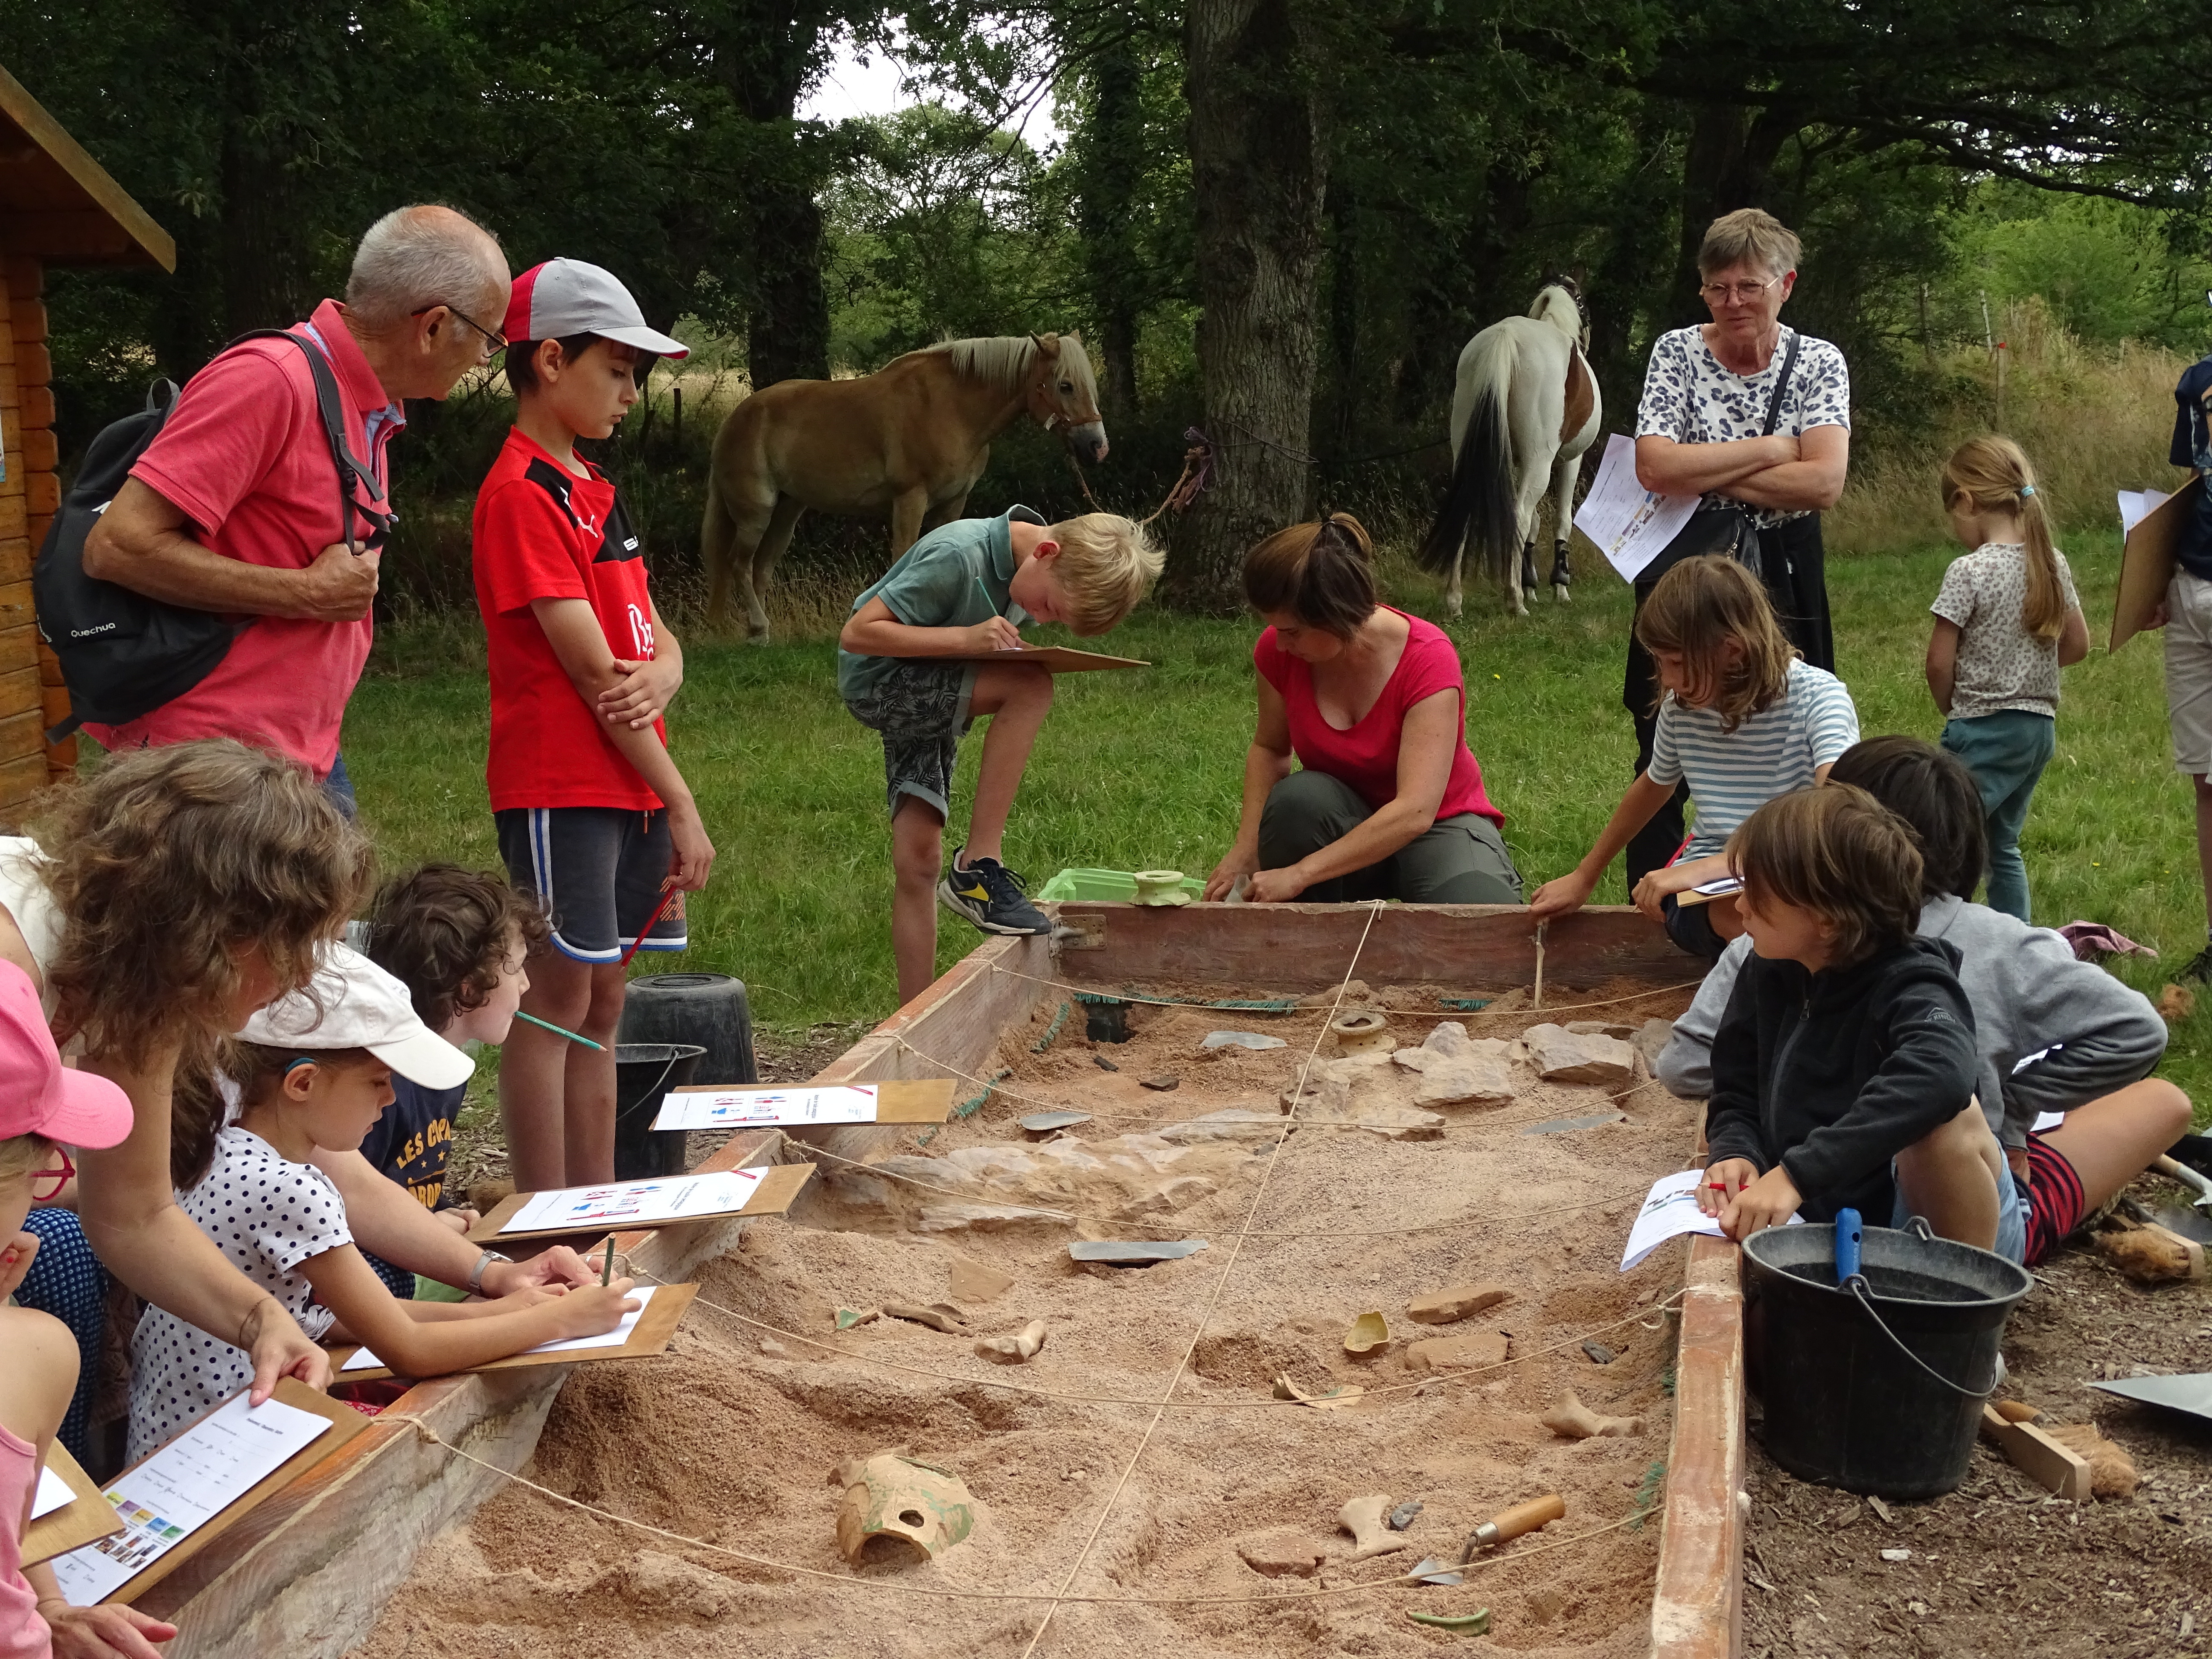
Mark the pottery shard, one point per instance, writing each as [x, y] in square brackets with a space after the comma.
[1442, 1307]
[1466, 1080]
[1453, 1354]
[972, 1282]
[1563, 1057]
[1283, 1554]
[1600, 1028]
[987, 1217]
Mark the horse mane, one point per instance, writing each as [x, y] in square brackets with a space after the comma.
[1001, 360]
[1552, 302]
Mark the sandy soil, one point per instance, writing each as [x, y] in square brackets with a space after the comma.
[731, 1436]
[2000, 1569]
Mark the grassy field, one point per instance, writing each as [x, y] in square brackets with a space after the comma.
[1140, 770]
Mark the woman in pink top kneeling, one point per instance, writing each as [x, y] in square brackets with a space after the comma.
[1371, 704]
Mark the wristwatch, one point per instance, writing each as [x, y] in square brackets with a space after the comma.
[477, 1272]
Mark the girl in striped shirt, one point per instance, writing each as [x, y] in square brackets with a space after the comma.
[1741, 717]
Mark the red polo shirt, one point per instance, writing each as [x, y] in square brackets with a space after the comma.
[244, 459]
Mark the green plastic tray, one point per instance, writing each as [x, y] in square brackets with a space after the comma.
[1102, 886]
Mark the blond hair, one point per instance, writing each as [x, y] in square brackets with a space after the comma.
[1994, 475]
[1105, 564]
[1696, 608]
[164, 864]
[23, 1154]
[1749, 236]
[1322, 572]
[1834, 850]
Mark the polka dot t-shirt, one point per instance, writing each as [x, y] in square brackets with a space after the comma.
[269, 1215]
[2000, 664]
[1690, 397]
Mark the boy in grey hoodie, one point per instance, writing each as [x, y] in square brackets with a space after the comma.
[2052, 1034]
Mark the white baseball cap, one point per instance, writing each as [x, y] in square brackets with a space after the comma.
[565, 296]
[354, 1004]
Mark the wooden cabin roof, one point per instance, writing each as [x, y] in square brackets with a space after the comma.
[58, 204]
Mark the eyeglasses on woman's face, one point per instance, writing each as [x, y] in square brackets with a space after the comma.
[48, 1184]
[1736, 294]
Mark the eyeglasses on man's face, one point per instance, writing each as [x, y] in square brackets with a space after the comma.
[1724, 294]
[494, 341]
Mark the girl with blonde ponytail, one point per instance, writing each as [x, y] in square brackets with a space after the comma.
[2006, 620]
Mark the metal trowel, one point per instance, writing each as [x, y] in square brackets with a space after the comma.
[2196, 1221]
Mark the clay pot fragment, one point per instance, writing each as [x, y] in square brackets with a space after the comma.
[898, 1511]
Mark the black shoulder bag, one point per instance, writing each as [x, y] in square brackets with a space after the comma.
[122, 653]
[1726, 528]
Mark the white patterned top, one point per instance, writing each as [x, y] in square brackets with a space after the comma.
[269, 1215]
[2000, 664]
[1690, 397]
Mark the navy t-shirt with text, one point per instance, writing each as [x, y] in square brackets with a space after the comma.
[412, 1140]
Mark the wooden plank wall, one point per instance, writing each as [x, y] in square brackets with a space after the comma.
[30, 679]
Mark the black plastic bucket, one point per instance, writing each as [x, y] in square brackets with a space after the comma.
[1883, 1395]
[644, 1072]
[708, 1009]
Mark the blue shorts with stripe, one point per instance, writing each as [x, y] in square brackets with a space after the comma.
[599, 871]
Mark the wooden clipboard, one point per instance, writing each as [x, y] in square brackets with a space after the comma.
[646, 1337]
[772, 1195]
[345, 1423]
[84, 1518]
[900, 1100]
[2147, 562]
[1053, 658]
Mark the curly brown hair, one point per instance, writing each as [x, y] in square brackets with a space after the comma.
[444, 932]
[167, 862]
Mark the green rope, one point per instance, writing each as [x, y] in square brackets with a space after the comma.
[969, 1108]
[1051, 1031]
[1647, 1495]
[1463, 1004]
[1239, 1005]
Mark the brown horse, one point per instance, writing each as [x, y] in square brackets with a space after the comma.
[910, 439]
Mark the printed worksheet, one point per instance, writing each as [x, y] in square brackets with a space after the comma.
[1670, 1211]
[2135, 506]
[736, 1108]
[1631, 525]
[635, 1203]
[53, 1493]
[360, 1359]
[182, 1486]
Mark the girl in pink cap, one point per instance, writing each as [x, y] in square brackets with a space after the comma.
[45, 1110]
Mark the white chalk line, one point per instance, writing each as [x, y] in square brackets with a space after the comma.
[848, 1580]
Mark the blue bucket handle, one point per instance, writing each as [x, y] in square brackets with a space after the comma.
[1858, 1286]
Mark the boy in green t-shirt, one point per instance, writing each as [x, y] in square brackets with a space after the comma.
[965, 589]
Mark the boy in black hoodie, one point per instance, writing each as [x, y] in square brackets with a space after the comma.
[1843, 1070]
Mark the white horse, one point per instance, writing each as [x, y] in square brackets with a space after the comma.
[1525, 409]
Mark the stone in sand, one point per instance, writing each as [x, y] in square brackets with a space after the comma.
[1449, 1038]
[1363, 1517]
[1651, 1039]
[1177, 1194]
[972, 1282]
[1600, 1028]
[1466, 1080]
[1013, 1350]
[1453, 1354]
[939, 1316]
[987, 1217]
[1283, 1554]
[1235, 1123]
[1563, 1057]
[1162, 1083]
[1573, 1420]
[1459, 1302]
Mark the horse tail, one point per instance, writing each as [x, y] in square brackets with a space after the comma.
[1481, 499]
[717, 533]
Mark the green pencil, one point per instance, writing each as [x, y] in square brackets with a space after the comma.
[558, 1030]
[988, 600]
[607, 1272]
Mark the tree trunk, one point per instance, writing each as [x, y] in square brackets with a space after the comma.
[1344, 308]
[1114, 160]
[264, 240]
[1258, 174]
[1729, 162]
[763, 53]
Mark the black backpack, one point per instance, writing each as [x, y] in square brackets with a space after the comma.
[122, 653]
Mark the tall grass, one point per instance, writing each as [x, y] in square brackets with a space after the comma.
[2093, 419]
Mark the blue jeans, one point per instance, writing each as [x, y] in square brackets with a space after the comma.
[2012, 1215]
[2007, 752]
[338, 785]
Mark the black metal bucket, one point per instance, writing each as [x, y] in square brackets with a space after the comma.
[645, 1072]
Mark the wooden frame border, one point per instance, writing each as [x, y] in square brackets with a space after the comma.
[1697, 1601]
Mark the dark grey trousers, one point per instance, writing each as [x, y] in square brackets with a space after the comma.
[1456, 861]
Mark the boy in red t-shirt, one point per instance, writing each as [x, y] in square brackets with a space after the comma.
[594, 817]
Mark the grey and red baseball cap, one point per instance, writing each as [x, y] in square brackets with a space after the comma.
[563, 297]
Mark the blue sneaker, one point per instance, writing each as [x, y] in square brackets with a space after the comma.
[990, 896]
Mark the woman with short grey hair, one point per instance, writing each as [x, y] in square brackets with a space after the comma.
[1753, 418]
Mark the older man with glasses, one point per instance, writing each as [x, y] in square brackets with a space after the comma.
[1754, 418]
[233, 507]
